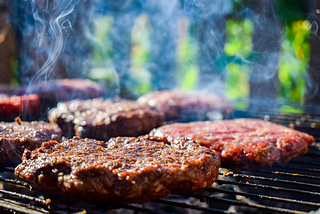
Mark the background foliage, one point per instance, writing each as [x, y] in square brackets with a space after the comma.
[238, 51]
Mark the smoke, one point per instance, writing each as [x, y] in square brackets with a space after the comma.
[55, 40]
[312, 83]
[57, 27]
[52, 38]
[266, 39]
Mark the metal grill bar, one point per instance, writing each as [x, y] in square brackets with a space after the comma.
[23, 196]
[15, 182]
[43, 205]
[220, 182]
[305, 163]
[277, 199]
[313, 154]
[274, 180]
[248, 204]
[140, 209]
[12, 205]
[292, 174]
[184, 205]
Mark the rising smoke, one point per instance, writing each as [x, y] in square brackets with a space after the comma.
[55, 37]
[52, 38]
[55, 40]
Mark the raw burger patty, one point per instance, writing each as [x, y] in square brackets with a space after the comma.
[101, 119]
[242, 141]
[12, 106]
[187, 106]
[124, 169]
[15, 137]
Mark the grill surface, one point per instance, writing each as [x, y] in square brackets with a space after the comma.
[291, 188]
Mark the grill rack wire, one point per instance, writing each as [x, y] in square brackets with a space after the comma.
[291, 188]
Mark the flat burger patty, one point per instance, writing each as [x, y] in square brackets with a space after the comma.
[12, 106]
[123, 169]
[242, 141]
[53, 91]
[15, 137]
[187, 106]
[64, 89]
[101, 119]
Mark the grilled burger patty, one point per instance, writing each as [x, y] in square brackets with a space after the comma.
[12, 106]
[17, 136]
[124, 169]
[186, 106]
[56, 90]
[101, 119]
[242, 141]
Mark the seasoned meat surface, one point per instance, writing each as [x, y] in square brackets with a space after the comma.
[17, 136]
[242, 141]
[101, 119]
[124, 169]
[12, 106]
[187, 106]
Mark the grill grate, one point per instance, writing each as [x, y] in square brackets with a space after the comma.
[292, 188]
[274, 191]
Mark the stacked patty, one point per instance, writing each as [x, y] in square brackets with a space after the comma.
[17, 136]
[102, 119]
[187, 106]
[241, 141]
[124, 169]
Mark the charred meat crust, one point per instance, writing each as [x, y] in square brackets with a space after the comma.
[242, 141]
[123, 169]
[101, 119]
[15, 137]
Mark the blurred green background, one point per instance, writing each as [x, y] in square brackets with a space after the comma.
[238, 52]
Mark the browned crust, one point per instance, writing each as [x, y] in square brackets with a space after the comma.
[122, 170]
[101, 119]
[16, 137]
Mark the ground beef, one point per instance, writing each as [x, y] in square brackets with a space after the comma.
[187, 106]
[124, 169]
[66, 89]
[242, 141]
[12, 106]
[17, 136]
[101, 119]
[53, 91]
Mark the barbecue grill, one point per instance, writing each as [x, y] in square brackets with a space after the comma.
[289, 188]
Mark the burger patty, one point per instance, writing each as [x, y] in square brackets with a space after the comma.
[124, 169]
[53, 91]
[65, 89]
[17, 136]
[12, 106]
[101, 119]
[242, 141]
[187, 106]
